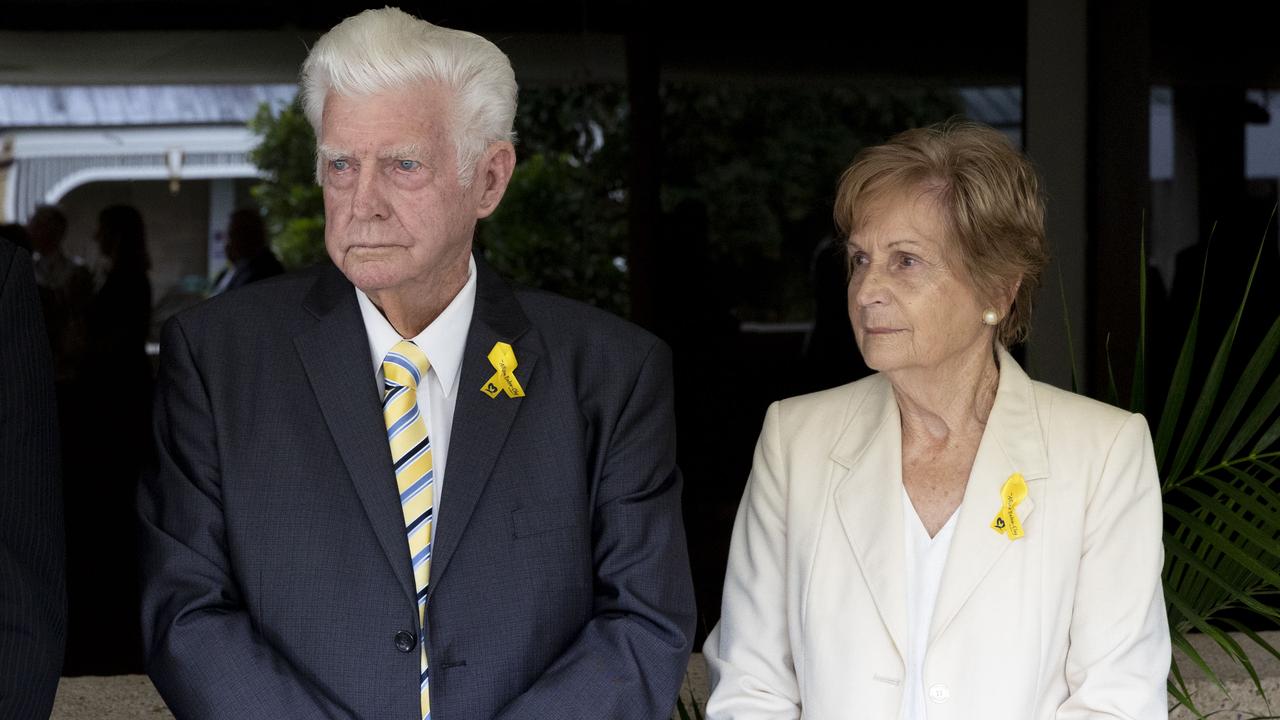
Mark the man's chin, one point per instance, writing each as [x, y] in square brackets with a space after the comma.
[373, 276]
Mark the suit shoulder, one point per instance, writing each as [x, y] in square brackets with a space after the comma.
[1064, 406]
[252, 307]
[247, 314]
[566, 322]
[1076, 426]
[827, 410]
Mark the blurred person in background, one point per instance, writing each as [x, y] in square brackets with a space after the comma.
[101, 481]
[67, 286]
[249, 257]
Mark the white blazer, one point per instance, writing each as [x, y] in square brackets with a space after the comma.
[1066, 622]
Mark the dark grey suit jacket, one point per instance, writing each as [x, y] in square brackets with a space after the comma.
[277, 574]
[32, 589]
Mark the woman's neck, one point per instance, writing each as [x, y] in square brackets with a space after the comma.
[947, 404]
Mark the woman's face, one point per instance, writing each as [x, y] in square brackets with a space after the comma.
[910, 306]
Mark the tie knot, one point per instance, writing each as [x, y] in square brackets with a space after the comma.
[405, 365]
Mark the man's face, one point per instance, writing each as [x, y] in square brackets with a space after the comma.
[396, 217]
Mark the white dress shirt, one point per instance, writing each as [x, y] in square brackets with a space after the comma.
[443, 341]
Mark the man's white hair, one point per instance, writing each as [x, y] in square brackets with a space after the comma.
[389, 49]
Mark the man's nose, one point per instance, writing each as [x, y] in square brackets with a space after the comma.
[369, 203]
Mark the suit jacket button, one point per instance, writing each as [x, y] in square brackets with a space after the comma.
[405, 641]
[939, 693]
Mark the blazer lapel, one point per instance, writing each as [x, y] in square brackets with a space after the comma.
[1010, 444]
[480, 423]
[335, 354]
[868, 501]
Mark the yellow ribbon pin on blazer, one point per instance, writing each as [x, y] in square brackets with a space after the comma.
[1013, 492]
[503, 359]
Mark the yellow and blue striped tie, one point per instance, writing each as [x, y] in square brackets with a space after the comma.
[404, 369]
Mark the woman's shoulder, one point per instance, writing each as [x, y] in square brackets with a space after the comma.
[827, 411]
[1066, 406]
[1075, 425]
[1028, 400]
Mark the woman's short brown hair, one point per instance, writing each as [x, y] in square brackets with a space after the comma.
[989, 197]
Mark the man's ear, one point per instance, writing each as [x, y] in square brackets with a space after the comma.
[493, 173]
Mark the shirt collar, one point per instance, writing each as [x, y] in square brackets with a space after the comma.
[443, 340]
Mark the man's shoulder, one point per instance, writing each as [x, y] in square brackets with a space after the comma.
[252, 308]
[572, 323]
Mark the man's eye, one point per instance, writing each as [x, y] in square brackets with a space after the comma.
[340, 165]
[408, 165]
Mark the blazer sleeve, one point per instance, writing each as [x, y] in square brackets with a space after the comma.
[630, 659]
[1119, 654]
[32, 591]
[749, 653]
[202, 650]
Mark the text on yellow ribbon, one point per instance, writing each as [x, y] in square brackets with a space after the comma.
[503, 360]
[1013, 492]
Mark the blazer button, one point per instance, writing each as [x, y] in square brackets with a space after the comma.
[405, 641]
[939, 693]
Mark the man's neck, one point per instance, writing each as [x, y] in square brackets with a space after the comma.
[410, 310]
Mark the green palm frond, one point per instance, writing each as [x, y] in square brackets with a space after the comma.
[1219, 460]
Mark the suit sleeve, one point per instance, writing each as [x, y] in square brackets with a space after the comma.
[630, 659]
[32, 591]
[1118, 660]
[203, 652]
[749, 653]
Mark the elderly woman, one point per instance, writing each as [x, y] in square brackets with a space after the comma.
[946, 538]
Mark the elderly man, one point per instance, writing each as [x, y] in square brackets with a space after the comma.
[301, 557]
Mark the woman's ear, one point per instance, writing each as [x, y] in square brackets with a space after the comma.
[1011, 296]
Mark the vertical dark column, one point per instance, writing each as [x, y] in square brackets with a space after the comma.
[1210, 119]
[1214, 119]
[646, 140]
[1119, 180]
[1055, 128]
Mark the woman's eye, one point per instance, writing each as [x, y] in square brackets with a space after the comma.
[858, 259]
[908, 261]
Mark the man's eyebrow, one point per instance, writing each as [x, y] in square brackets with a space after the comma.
[403, 151]
[328, 152]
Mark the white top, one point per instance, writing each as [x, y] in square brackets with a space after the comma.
[443, 341]
[926, 557]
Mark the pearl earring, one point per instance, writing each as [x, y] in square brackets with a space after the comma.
[990, 317]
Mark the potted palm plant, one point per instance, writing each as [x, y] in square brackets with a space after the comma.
[1217, 444]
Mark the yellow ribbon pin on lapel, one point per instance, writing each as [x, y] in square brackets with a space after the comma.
[503, 360]
[1013, 492]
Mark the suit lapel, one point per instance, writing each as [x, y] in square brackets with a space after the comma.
[869, 502]
[335, 354]
[480, 423]
[1011, 443]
